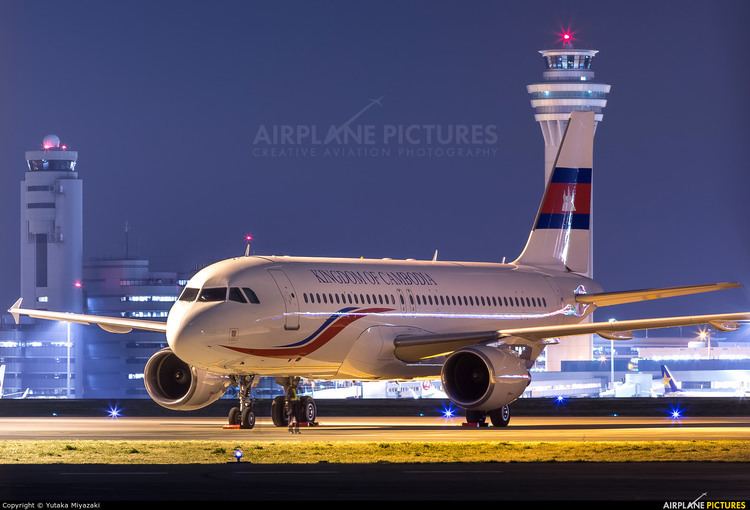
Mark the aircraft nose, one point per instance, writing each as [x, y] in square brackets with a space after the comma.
[184, 332]
[193, 331]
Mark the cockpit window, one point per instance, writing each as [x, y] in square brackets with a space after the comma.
[213, 294]
[251, 296]
[236, 295]
[189, 294]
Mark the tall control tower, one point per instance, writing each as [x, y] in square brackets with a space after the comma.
[52, 229]
[568, 86]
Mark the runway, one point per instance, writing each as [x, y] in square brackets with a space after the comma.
[655, 482]
[384, 428]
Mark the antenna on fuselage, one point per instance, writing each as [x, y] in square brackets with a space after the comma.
[434, 256]
[248, 239]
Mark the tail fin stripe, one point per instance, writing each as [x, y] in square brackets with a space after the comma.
[567, 198]
[572, 175]
[557, 221]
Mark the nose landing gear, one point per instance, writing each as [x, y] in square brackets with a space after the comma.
[244, 415]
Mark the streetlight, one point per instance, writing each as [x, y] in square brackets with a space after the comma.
[704, 334]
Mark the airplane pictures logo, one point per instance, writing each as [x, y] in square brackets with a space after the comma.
[700, 503]
[354, 139]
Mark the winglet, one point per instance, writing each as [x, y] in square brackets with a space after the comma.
[13, 310]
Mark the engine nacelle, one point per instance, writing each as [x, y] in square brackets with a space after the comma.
[484, 378]
[173, 384]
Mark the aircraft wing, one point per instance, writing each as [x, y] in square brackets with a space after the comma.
[111, 324]
[412, 348]
[633, 296]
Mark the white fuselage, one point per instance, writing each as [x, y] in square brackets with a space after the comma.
[326, 318]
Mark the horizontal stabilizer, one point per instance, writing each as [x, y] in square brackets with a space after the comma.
[634, 296]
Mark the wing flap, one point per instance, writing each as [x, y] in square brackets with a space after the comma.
[634, 296]
[111, 324]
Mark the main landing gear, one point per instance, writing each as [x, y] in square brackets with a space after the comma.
[244, 415]
[498, 417]
[300, 409]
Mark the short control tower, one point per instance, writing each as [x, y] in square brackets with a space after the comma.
[52, 229]
[568, 86]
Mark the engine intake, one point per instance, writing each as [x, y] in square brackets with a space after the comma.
[174, 384]
[484, 378]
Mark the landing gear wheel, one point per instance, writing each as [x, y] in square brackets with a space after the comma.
[500, 417]
[278, 416]
[306, 410]
[247, 419]
[234, 416]
[479, 417]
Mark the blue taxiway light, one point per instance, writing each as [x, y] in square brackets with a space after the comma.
[114, 412]
[238, 454]
[448, 411]
[675, 413]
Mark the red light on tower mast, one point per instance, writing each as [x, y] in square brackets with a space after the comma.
[567, 36]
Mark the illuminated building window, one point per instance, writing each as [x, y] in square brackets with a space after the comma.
[43, 299]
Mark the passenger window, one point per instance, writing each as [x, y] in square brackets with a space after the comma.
[411, 299]
[189, 294]
[544, 302]
[213, 294]
[330, 298]
[236, 295]
[251, 296]
[402, 299]
[494, 301]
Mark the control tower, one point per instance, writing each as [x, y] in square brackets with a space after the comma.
[51, 229]
[568, 85]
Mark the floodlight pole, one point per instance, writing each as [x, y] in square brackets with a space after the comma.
[67, 343]
[612, 364]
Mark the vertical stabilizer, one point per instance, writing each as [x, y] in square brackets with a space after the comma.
[670, 384]
[561, 235]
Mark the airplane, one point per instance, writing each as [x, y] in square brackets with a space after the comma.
[18, 394]
[673, 388]
[479, 326]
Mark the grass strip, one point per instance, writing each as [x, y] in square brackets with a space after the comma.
[308, 452]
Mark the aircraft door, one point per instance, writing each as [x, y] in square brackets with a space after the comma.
[291, 304]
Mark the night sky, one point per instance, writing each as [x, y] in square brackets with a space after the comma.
[163, 101]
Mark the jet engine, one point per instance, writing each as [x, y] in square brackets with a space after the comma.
[173, 384]
[484, 378]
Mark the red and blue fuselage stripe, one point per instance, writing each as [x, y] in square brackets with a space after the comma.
[334, 325]
[323, 326]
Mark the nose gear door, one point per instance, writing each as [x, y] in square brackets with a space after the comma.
[291, 304]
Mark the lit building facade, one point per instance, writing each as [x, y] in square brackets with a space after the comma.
[113, 364]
